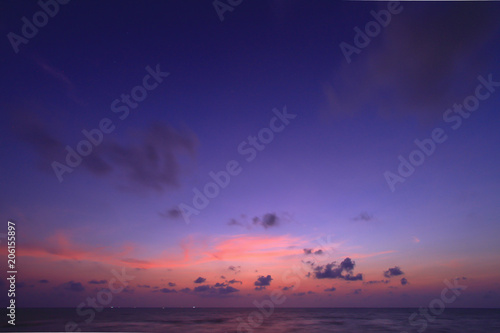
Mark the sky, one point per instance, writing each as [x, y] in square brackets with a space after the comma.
[186, 153]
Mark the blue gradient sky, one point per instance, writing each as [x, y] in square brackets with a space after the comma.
[319, 184]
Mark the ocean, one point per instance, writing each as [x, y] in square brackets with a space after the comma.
[282, 320]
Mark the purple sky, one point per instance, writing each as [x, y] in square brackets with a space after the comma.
[323, 194]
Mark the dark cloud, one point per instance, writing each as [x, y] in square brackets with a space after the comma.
[172, 213]
[287, 288]
[144, 286]
[299, 294]
[217, 289]
[166, 290]
[357, 291]
[200, 280]
[235, 269]
[97, 282]
[233, 281]
[227, 290]
[311, 292]
[332, 271]
[220, 285]
[269, 220]
[363, 217]
[150, 161]
[43, 281]
[171, 284]
[262, 282]
[202, 288]
[395, 271]
[331, 289]
[376, 282]
[236, 222]
[312, 251]
[73, 286]
[409, 69]
[347, 264]
[357, 277]
[309, 262]
[404, 281]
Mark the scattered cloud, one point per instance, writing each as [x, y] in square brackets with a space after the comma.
[73, 286]
[97, 282]
[201, 288]
[268, 220]
[165, 290]
[332, 271]
[404, 281]
[149, 162]
[377, 281]
[262, 282]
[364, 216]
[173, 213]
[235, 269]
[227, 290]
[331, 289]
[200, 280]
[395, 271]
[217, 289]
[311, 251]
[234, 281]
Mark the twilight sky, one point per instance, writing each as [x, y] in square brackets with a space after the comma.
[277, 149]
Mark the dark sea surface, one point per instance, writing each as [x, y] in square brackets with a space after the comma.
[254, 320]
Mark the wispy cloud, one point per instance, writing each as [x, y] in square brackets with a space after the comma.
[149, 161]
